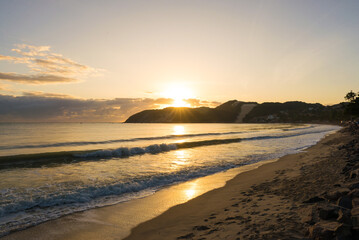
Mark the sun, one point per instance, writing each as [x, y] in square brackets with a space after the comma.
[179, 94]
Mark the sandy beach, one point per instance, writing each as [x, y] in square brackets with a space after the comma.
[179, 120]
[280, 200]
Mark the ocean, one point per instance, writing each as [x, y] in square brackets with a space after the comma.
[48, 170]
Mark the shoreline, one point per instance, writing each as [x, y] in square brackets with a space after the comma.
[96, 223]
[274, 201]
[101, 222]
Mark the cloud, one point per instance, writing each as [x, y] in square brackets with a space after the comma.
[48, 95]
[31, 50]
[45, 66]
[13, 59]
[44, 107]
[49, 107]
[195, 102]
[34, 79]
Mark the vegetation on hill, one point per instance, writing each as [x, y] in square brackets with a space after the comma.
[295, 112]
[225, 113]
[261, 113]
[352, 107]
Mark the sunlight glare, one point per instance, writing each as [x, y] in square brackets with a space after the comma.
[178, 130]
[179, 94]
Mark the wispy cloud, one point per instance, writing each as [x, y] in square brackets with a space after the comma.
[46, 95]
[49, 107]
[44, 66]
[34, 79]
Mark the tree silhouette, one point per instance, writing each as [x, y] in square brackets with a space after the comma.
[353, 106]
[350, 96]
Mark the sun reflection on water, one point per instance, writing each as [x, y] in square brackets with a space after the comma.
[180, 158]
[180, 154]
[178, 130]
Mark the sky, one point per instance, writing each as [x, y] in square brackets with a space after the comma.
[105, 60]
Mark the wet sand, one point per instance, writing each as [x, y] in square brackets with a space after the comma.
[116, 221]
[265, 203]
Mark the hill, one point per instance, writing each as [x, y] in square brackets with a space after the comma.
[248, 112]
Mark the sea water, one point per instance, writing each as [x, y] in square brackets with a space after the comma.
[48, 170]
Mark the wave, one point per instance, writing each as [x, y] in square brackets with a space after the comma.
[153, 149]
[283, 136]
[74, 198]
[27, 212]
[40, 159]
[174, 136]
[299, 128]
[34, 205]
[85, 194]
[54, 205]
[83, 143]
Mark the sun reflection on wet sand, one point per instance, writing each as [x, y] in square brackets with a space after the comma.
[191, 191]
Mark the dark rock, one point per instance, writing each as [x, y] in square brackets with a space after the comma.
[347, 168]
[355, 218]
[343, 232]
[326, 213]
[212, 231]
[354, 186]
[323, 230]
[354, 158]
[188, 236]
[353, 174]
[335, 194]
[314, 200]
[345, 202]
[308, 219]
[200, 228]
[344, 216]
[355, 233]
[354, 193]
[355, 202]
[355, 222]
[355, 211]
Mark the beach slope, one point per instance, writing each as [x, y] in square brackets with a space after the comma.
[279, 200]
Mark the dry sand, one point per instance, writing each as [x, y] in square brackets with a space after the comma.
[265, 203]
